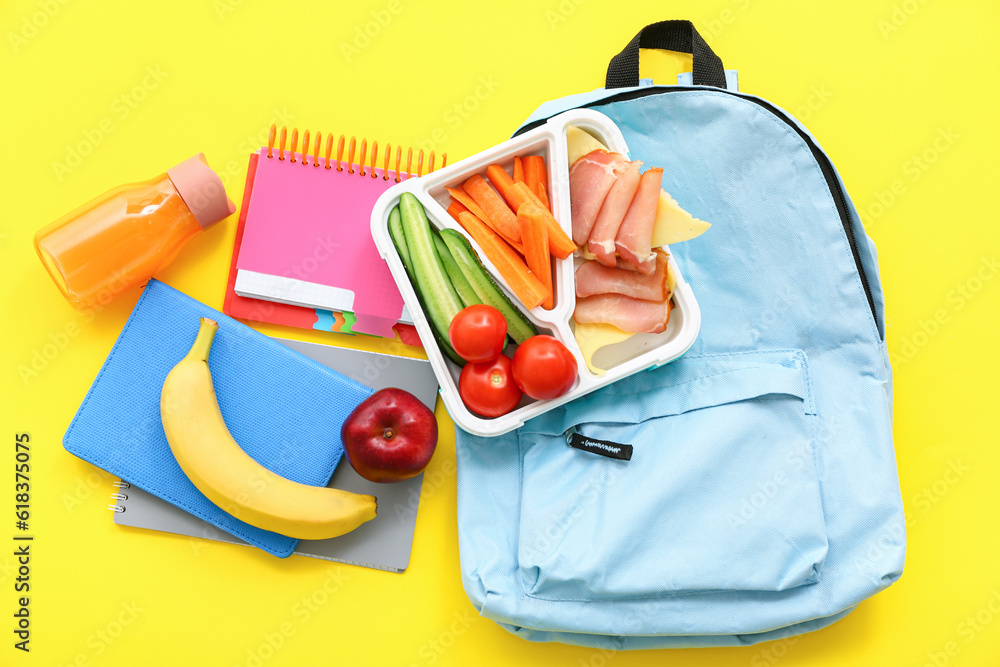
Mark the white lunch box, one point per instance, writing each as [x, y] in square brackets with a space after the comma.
[637, 353]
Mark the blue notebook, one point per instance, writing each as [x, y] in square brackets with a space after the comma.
[283, 408]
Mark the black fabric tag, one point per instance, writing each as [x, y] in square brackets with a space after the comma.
[613, 450]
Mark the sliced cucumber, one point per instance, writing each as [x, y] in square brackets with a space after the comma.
[458, 280]
[399, 238]
[518, 326]
[440, 300]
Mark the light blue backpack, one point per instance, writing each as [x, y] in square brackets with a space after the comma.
[761, 499]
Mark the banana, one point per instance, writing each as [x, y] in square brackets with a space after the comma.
[219, 468]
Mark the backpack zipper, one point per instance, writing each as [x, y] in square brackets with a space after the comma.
[840, 200]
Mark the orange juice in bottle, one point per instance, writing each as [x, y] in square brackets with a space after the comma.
[123, 237]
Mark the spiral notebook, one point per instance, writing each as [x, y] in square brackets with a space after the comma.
[307, 239]
[257, 310]
[383, 543]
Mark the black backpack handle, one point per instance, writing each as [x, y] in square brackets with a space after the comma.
[672, 36]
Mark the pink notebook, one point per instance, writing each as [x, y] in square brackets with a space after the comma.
[307, 239]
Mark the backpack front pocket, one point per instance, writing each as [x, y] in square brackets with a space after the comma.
[721, 491]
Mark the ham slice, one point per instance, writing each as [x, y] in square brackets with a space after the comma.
[616, 204]
[635, 236]
[595, 278]
[624, 312]
[590, 178]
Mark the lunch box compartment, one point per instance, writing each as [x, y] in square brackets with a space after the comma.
[639, 352]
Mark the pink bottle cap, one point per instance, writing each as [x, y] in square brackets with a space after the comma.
[202, 190]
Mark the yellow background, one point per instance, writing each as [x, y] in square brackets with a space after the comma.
[876, 81]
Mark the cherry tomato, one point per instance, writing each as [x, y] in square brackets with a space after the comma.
[478, 333]
[544, 368]
[488, 388]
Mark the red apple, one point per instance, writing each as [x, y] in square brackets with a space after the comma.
[390, 437]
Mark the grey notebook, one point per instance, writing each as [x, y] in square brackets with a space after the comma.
[384, 542]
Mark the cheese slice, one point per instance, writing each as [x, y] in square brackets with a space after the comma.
[580, 142]
[673, 224]
[592, 337]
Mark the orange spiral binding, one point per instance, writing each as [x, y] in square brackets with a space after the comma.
[279, 141]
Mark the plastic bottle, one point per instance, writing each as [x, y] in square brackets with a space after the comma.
[123, 237]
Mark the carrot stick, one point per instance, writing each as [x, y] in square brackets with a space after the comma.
[560, 244]
[463, 198]
[534, 175]
[456, 207]
[498, 214]
[516, 194]
[505, 186]
[525, 285]
[543, 194]
[536, 246]
[518, 170]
